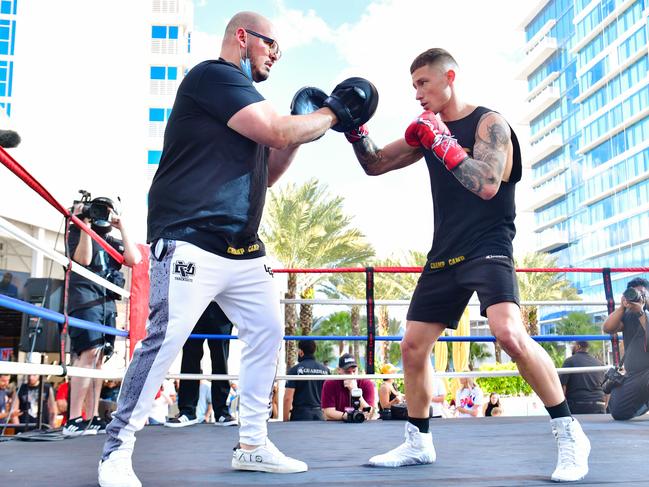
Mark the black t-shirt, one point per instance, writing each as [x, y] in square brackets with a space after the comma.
[210, 187]
[84, 293]
[583, 387]
[465, 225]
[28, 400]
[636, 348]
[307, 393]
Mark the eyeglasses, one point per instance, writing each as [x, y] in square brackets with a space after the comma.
[272, 43]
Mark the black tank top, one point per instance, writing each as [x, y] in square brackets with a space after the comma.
[465, 225]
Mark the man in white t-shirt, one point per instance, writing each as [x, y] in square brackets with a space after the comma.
[439, 396]
[468, 398]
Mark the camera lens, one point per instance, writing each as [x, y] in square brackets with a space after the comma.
[631, 294]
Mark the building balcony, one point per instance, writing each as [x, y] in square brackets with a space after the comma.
[532, 12]
[543, 84]
[537, 56]
[613, 131]
[555, 221]
[582, 42]
[546, 177]
[544, 100]
[547, 194]
[544, 147]
[553, 124]
[552, 240]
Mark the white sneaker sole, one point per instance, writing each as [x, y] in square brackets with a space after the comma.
[265, 467]
[227, 423]
[408, 463]
[182, 425]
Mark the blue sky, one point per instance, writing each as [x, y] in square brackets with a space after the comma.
[216, 13]
[324, 42]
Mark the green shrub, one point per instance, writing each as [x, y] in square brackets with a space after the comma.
[505, 386]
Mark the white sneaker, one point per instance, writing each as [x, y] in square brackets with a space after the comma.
[418, 449]
[266, 458]
[181, 421]
[117, 471]
[574, 448]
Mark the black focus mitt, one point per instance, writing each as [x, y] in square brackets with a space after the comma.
[307, 100]
[353, 102]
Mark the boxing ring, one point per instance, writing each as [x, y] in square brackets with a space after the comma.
[507, 451]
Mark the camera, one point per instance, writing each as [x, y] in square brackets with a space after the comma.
[355, 414]
[115, 277]
[96, 210]
[632, 295]
[612, 378]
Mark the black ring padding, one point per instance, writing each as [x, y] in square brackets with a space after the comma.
[65, 370]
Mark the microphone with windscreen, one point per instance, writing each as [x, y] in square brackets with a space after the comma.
[9, 139]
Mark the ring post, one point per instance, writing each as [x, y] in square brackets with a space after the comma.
[610, 305]
[371, 327]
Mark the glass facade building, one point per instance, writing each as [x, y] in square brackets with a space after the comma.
[8, 12]
[170, 38]
[587, 71]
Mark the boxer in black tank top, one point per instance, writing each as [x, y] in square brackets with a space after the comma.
[474, 162]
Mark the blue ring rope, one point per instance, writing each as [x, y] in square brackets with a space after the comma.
[48, 314]
[22, 306]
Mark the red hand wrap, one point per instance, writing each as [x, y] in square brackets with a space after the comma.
[357, 134]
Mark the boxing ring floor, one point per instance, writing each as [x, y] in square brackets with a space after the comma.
[503, 451]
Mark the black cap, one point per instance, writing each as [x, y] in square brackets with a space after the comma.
[346, 361]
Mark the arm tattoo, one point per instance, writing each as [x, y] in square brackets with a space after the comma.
[367, 153]
[483, 172]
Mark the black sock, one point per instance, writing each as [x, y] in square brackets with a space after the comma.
[561, 410]
[421, 423]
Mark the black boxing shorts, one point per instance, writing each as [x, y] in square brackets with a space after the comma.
[442, 295]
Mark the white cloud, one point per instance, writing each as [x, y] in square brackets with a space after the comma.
[296, 27]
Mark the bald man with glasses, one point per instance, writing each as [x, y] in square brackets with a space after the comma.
[224, 146]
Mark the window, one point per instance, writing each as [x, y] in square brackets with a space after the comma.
[7, 36]
[164, 32]
[6, 75]
[154, 156]
[8, 7]
[164, 72]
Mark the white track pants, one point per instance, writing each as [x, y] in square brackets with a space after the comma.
[184, 279]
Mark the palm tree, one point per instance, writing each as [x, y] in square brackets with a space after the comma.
[394, 286]
[305, 227]
[540, 286]
[338, 323]
[348, 286]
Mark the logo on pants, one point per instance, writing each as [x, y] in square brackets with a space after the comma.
[184, 271]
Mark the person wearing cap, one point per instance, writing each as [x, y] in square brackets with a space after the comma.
[389, 395]
[336, 394]
[302, 398]
[583, 391]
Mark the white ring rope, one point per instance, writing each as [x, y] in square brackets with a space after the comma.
[406, 302]
[60, 258]
[22, 368]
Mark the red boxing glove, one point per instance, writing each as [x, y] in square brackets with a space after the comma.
[430, 132]
[357, 134]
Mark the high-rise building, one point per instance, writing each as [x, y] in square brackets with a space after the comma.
[7, 42]
[587, 69]
[171, 28]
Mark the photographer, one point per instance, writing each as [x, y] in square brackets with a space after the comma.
[337, 400]
[631, 398]
[94, 303]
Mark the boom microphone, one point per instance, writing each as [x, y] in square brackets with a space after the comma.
[9, 139]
